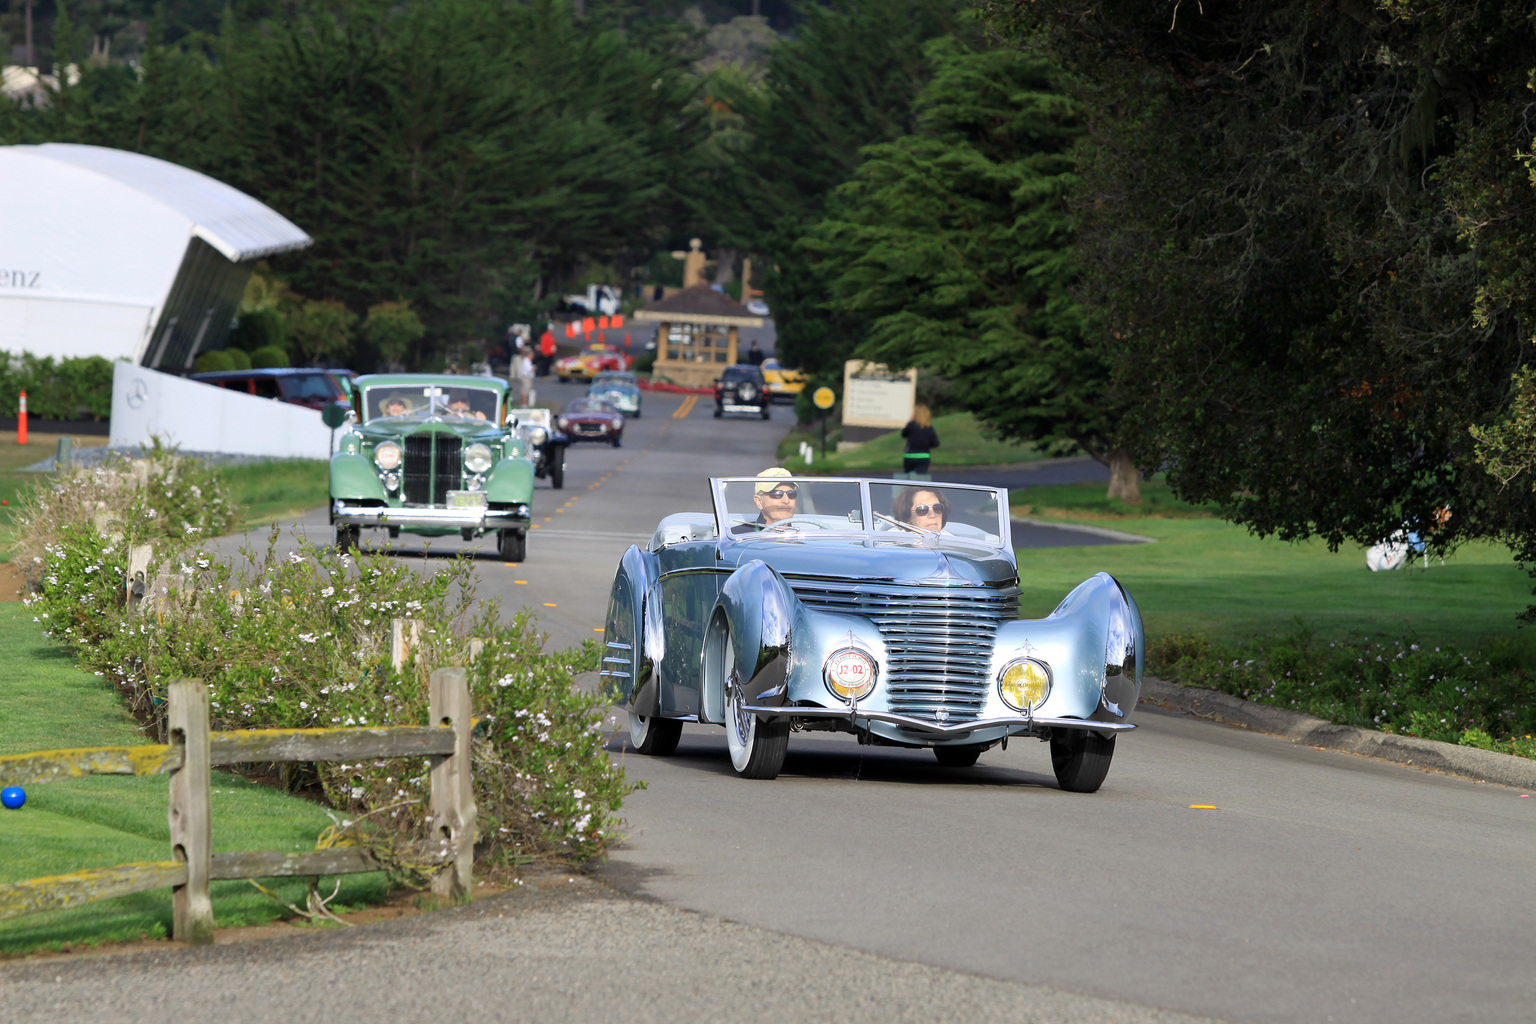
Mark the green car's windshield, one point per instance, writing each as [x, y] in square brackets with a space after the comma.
[430, 401]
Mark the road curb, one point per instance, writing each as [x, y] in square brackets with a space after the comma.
[1467, 762]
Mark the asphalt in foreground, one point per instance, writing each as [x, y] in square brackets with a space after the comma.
[562, 951]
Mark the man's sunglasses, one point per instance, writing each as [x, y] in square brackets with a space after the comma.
[781, 492]
[938, 508]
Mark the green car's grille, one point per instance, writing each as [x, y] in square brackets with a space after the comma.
[434, 465]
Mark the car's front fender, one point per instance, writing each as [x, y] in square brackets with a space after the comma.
[759, 607]
[511, 480]
[1095, 647]
[628, 667]
[354, 477]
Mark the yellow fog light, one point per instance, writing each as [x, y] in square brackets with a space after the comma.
[387, 455]
[1024, 684]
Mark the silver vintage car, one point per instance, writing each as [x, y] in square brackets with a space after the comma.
[886, 609]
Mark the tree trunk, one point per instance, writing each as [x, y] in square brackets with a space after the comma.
[1124, 477]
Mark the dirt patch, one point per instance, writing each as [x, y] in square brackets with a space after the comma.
[13, 582]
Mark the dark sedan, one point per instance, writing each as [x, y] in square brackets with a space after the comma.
[591, 419]
[741, 388]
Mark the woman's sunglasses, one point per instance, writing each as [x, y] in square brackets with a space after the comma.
[937, 508]
[781, 492]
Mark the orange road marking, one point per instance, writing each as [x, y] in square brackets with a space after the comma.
[548, 604]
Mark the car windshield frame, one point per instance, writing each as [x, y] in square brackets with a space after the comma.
[875, 526]
[429, 403]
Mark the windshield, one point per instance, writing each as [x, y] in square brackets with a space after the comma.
[302, 387]
[589, 405]
[615, 379]
[419, 402]
[884, 510]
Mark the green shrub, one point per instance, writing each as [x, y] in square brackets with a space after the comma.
[239, 359]
[1485, 696]
[65, 390]
[215, 361]
[645, 362]
[269, 358]
[260, 328]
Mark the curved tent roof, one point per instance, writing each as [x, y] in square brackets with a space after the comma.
[239, 227]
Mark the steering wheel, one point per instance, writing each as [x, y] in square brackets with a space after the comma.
[796, 521]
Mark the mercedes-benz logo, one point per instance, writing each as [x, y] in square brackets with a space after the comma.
[138, 393]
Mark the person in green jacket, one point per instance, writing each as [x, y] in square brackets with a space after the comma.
[921, 440]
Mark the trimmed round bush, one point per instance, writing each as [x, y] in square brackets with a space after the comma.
[260, 328]
[216, 361]
[239, 359]
[270, 357]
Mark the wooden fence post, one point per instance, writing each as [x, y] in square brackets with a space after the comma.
[190, 811]
[404, 635]
[453, 809]
[137, 583]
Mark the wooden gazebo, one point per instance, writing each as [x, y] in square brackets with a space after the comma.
[696, 333]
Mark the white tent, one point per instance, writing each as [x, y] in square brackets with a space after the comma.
[110, 253]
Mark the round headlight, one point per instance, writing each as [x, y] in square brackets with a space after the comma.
[538, 435]
[477, 458]
[850, 674]
[387, 455]
[1024, 684]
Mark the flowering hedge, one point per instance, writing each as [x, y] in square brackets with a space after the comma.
[301, 640]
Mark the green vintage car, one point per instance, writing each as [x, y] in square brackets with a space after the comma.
[431, 454]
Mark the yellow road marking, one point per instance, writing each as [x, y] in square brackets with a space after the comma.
[687, 407]
[597, 629]
[1202, 807]
[550, 604]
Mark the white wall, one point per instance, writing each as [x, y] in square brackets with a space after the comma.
[203, 418]
[85, 261]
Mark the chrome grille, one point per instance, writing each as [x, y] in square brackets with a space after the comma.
[428, 474]
[939, 639]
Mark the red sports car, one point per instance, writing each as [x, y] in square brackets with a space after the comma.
[589, 419]
[596, 359]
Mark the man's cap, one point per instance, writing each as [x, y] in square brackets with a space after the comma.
[768, 485]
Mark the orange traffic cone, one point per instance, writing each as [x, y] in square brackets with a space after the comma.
[21, 421]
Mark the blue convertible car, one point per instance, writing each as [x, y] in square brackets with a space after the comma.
[880, 608]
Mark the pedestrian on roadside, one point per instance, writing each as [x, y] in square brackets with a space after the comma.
[921, 439]
[754, 354]
[546, 352]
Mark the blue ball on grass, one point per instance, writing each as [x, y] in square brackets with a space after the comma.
[13, 797]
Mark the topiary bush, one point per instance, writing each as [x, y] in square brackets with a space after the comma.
[214, 361]
[260, 328]
[270, 357]
[239, 359]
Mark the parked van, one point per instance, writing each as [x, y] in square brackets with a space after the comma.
[308, 387]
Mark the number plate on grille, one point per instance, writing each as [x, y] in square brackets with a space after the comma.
[466, 499]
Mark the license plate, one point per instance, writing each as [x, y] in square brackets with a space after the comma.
[466, 499]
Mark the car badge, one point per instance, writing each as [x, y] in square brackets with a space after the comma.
[941, 715]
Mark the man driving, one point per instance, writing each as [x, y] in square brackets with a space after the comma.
[776, 500]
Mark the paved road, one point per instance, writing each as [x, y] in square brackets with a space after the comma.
[1322, 887]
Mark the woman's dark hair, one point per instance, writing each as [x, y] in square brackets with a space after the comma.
[901, 508]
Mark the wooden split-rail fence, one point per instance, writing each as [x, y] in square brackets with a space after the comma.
[188, 760]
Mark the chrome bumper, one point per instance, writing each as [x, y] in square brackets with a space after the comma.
[857, 716]
[480, 518]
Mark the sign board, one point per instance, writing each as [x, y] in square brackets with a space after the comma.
[873, 396]
[823, 397]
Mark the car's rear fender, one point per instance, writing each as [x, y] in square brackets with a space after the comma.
[628, 663]
[354, 477]
[511, 480]
[759, 608]
[1094, 645]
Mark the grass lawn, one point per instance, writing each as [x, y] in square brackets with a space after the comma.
[268, 492]
[45, 703]
[1212, 577]
[961, 443]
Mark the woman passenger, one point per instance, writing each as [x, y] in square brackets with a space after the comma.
[920, 507]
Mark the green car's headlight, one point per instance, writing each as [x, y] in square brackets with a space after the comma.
[477, 458]
[1024, 684]
[387, 455]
